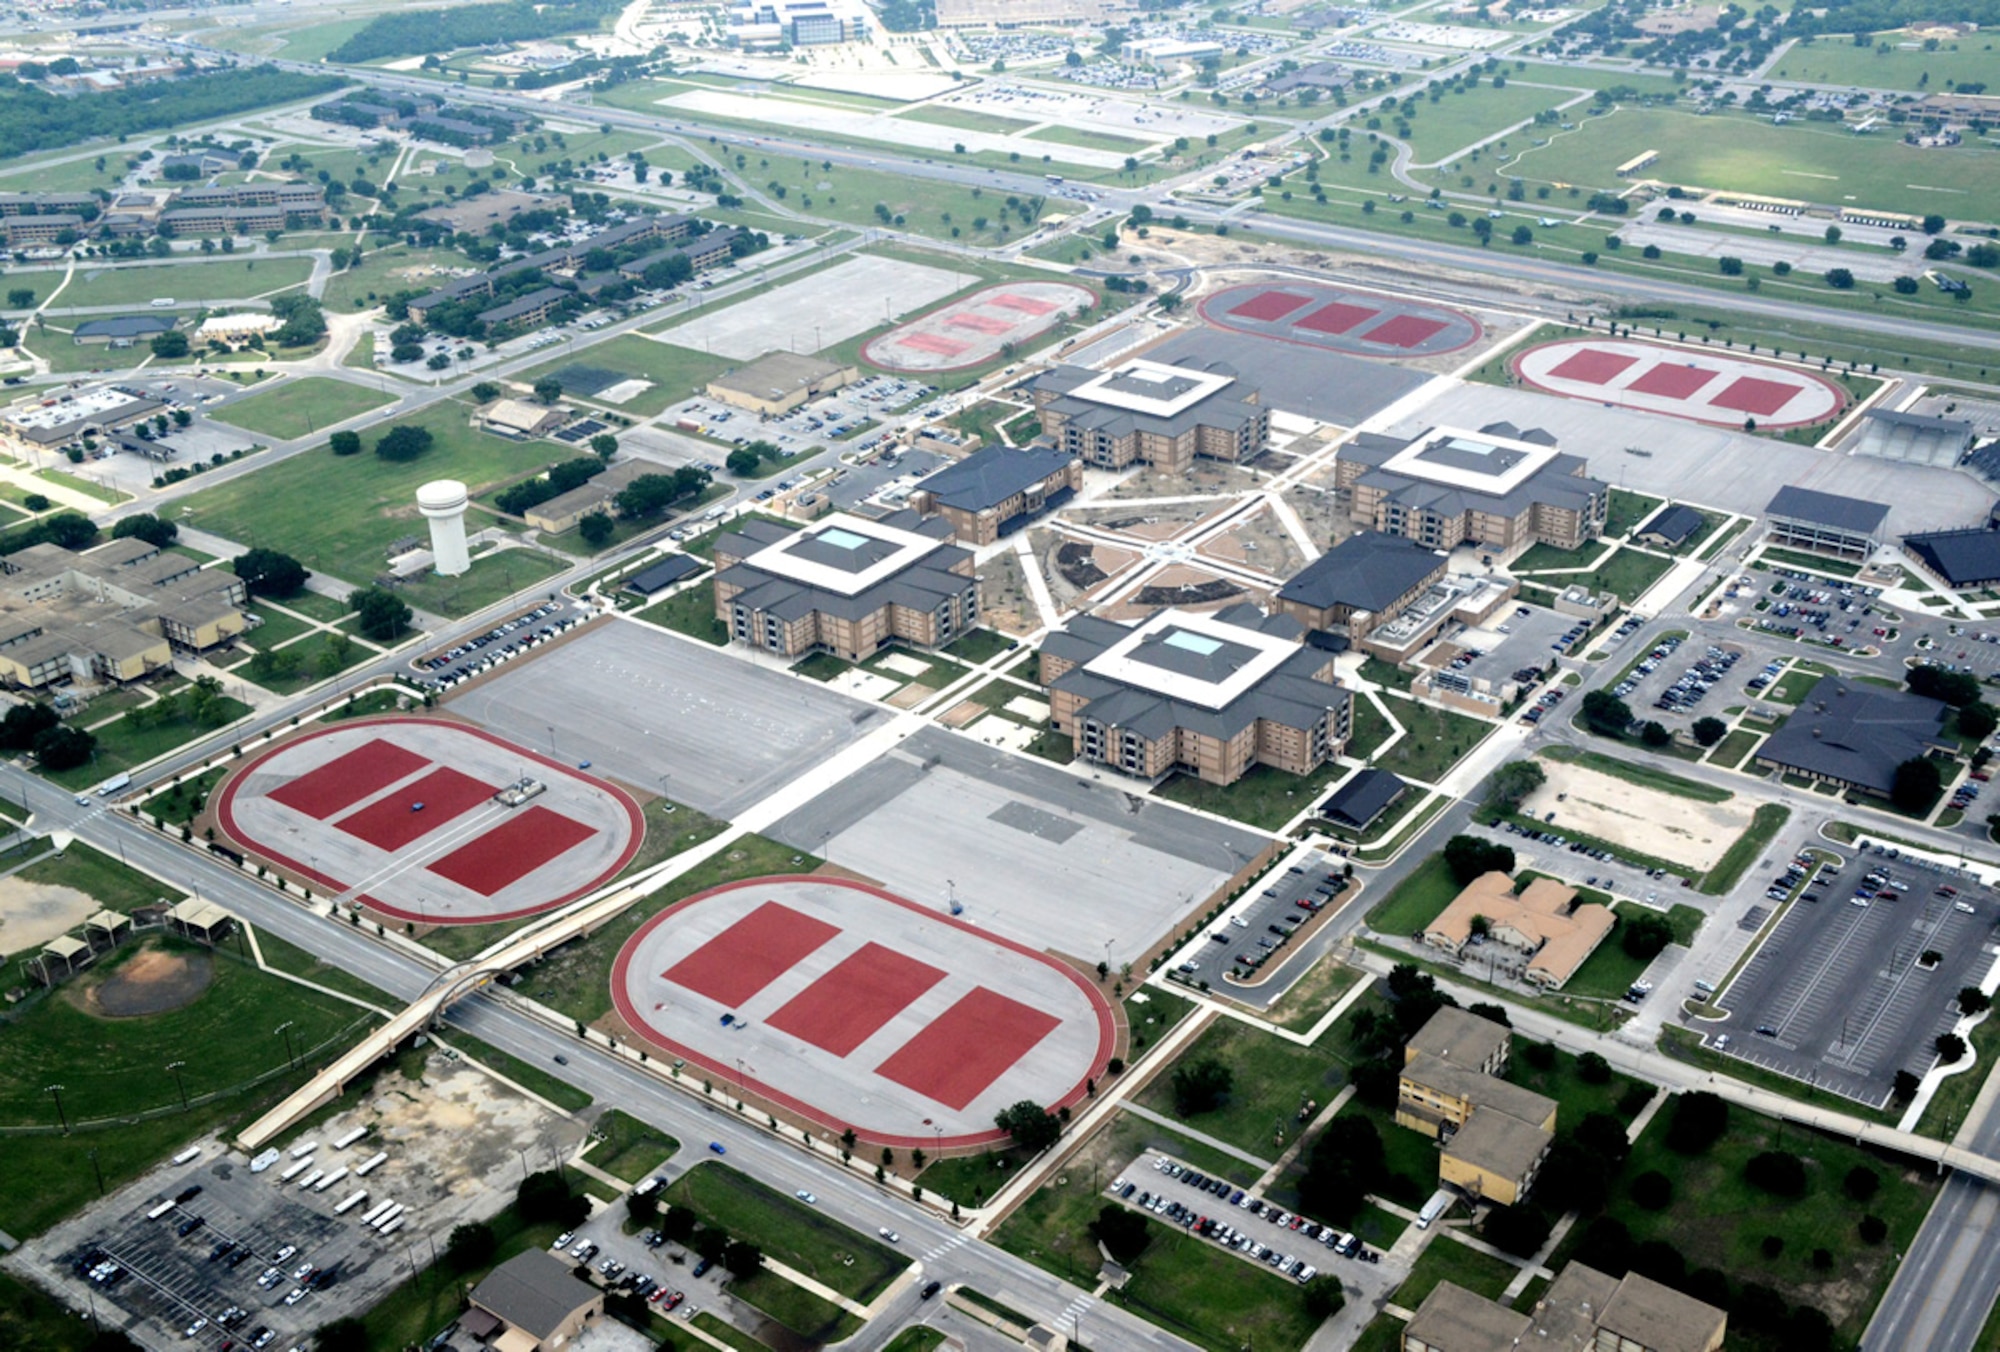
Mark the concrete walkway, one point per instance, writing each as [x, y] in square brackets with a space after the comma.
[1183, 1129]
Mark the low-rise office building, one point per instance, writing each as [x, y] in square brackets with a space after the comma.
[1208, 695]
[1149, 413]
[116, 613]
[1583, 1310]
[1670, 527]
[54, 420]
[563, 511]
[47, 228]
[122, 330]
[531, 1303]
[1499, 489]
[519, 419]
[995, 490]
[844, 585]
[1540, 934]
[779, 382]
[1493, 1135]
[1366, 580]
[1826, 523]
[1855, 736]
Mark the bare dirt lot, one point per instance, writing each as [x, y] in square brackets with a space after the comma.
[31, 914]
[150, 982]
[1643, 820]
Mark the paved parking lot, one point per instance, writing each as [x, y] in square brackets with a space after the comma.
[512, 638]
[1679, 678]
[1258, 929]
[857, 483]
[1837, 995]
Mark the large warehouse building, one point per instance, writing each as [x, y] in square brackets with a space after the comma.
[1211, 695]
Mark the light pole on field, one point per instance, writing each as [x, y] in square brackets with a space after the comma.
[285, 1030]
[55, 1091]
[174, 1069]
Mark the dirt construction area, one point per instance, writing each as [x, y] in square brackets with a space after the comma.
[152, 982]
[454, 1143]
[1645, 821]
[31, 914]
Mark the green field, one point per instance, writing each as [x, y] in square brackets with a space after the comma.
[676, 372]
[1415, 901]
[1273, 1078]
[230, 279]
[797, 1235]
[109, 1069]
[124, 745]
[339, 515]
[299, 408]
[1091, 140]
[965, 119]
[1742, 153]
[1440, 130]
[1837, 61]
[630, 1149]
[1446, 1260]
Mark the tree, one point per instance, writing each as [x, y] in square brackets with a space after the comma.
[266, 572]
[1697, 1121]
[1201, 1086]
[1653, 1190]
[35, 502]
[1840, 279]
[545, 1198]
[1709, 730]
[69, 530]
[1593, 1069]
[1522, 235]
[345, 443]
[596, 528]
[471, 1245]
[1977, 720]
[1645, 935]
[548, 389]
[604, 445]
[1832, 235]
[743, 462]
[743, 1259]
[384, 616]
[1972, 1000]
[1470, 857]
[1729, 266]
[405, 351]
[1778, 1172]
[25, 722]
[1917, 784]
[145, 526]
[651, 494]
[642, 1208]
[20, 297]
[1861, 1183]
[1956, 688]
[170, 346]
[1519, 1230]
[1492, 1014]
[1933, 224]
[342, 1335]
[1654, 733]
[1323, 1298]
[1513, 782]
[1122, 1231]
[1032, 1126]
[1873, 1229]
[403, 442]
[1950, 1046]
[485, 392]
[1606, 713]
[1345, 1163]
[63, 747]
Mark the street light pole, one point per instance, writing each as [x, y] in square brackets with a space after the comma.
[55, 1092]
[174, 1069]
[285, 1028]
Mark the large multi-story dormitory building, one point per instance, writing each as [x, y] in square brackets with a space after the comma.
[250, 208]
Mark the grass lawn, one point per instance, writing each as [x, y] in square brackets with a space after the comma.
[1434, 739]
[1628, 511]
[727, 1334]
[965, 119]
[1764, 826]
[184, 801]
[676, 372]
[79, 484]
[1439, 130]
[182, 279]
[1313, 994]
[811, 1317]
[1717, 1219]
[117, 885]
[692, 612]
[1645, 776]
[576, 978]
[628, 1148]
[917, 1339]
[532, 1078]
[799, 1236]
[1273, 1078]
[33, 1322]
[1090, 140]
[1626, 573]
[1213, 1298]
[1385, 674]
[1384, 1333]
[1265, 797]
[1416, 901]
[122, 745]
[109, 1068]
[339, 515]
[1446, 1260]
[1812, 563]
[299, 408]
[979, 646]
[1906, 65]
[1732, 749]
[295, 961]
[494, 577]
[1576, 1097]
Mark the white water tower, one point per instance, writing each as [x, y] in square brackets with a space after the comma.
[442, 501]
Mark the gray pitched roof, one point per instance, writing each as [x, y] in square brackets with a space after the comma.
[533, 1291]
[1369, 571]
[1363, 798]
[1856, 734]
[1674, 523]
[1830, 510]
[124, 326]
[1963, 558]
[663, 574]
[991, 475]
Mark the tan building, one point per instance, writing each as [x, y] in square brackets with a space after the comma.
[995, 491]
[1149, 413]
[41, 229]
[1544, 933]
[531, 1303]
[115, 614]
[1208, 695]
[1583, 1310]
[1366, 580]
[519, 419]
[564, 510]
[1494, 1135]
[1499, 489]
[779, 382]
[844, 585]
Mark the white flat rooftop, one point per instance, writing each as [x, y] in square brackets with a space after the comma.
[838, 538]
[1477, 461]
[1200, 637]
[1152, 387]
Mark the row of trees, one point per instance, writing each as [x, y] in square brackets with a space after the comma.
[31, 119]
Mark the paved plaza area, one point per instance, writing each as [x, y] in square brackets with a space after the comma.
[1029, 851]
[1711, 466]
[828, 307]
[408, 816]
[672, 716]
[860, 1009]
